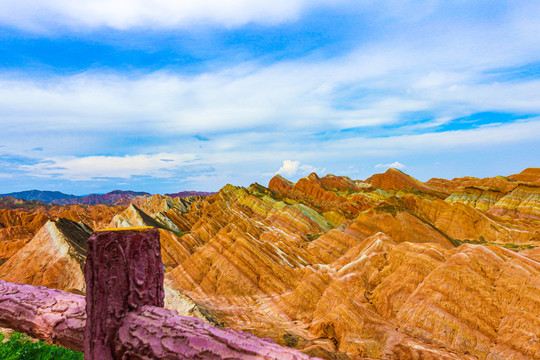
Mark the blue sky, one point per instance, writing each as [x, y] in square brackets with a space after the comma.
[164, 96]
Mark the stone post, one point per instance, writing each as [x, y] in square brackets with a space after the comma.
[123, 272]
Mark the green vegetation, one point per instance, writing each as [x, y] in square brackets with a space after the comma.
[179, 233]
[21, 347]
[481, 241]
[391, 208]
[260, 191]
[348, 191]
[513, 246]
[313, 237]
[382, 192]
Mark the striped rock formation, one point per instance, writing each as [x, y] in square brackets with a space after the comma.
[53, 258]
[387, 268]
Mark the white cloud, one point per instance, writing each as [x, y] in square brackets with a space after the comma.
[395, 165]
[292, 168]
[245, 121]
[289, 168]
[94, 167]
[449, 73]
[485, 137]
[296, 95]
[124, 14]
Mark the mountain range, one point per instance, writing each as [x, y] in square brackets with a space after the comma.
[39, 195]
[383, 268]
[59, 198]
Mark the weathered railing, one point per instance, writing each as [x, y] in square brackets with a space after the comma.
[51, 315]
[122, 316]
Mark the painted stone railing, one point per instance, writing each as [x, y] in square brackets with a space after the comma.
[122, 316]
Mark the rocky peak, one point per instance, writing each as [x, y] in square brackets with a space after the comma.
[396, 179]
[133, 217]
[280, 185]
[531, 175]
[313, 177]
[54, 257]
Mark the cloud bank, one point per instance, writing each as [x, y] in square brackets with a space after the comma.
[122, 14]
[160, 165]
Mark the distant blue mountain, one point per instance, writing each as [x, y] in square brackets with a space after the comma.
[45, 196]
[108, 198]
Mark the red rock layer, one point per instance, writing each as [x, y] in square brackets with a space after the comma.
[395, 179]
[16, 229]
[279, 285]
[500, 183]
[529, 175]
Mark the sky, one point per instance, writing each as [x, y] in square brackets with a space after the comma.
[170, 95]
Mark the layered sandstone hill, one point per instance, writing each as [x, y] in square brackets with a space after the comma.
[11, 203]
[530, 175]
[20, 224]
[482, 198]
[54, 257]
[337, 289]
[501, 183]
[522, 202]
[515, 197]
[16, 229]
[395, 179]
[387, 268]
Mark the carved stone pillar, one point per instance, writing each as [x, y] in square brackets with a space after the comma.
[123, 272]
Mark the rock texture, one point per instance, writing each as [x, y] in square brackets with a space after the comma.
[502, 183]
[481, 198]
[156, 333]
[11, 203]
[51, 315]
[500, 283]
[16, 229]
[339, 289]
[522, 202]
[20, 224]
[123, 272]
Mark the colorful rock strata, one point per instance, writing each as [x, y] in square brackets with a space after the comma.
[386, 268]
